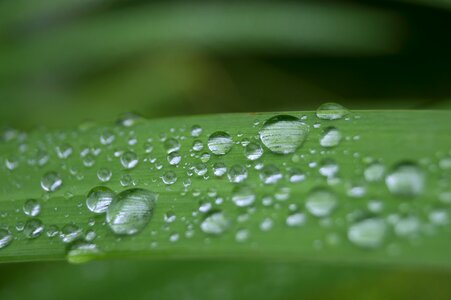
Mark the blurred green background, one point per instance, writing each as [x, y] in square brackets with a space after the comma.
[66, 61]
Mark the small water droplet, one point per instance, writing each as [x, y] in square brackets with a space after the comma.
[220, 143]
[196, 130]
[266, 224]
[5, 238]
[104, 174]
[99, 198]
[70, 232]
[32, 207]
[253, 151]
[321, 202]
[369, 233]
[130, 211]
[170, 217]
[295, 219]
[374, 172]
[237, 174]
[330, 138]
[82, 252]
[242, 235]
[169, 177]
[219, 169]
[33, 228]
[329, 168]
[129, 159]
[243, 196]
[174, 158]
[216, 223]
[283, 134]
[172, 145]
[270, 174]
[331, 111]
[405, 180]
[51, 181]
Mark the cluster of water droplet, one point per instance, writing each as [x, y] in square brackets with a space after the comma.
[283, 166]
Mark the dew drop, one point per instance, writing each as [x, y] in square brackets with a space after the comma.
[104, 174]
[330, 138]
[237, 174]
[129, 159]
[331, 111]
[374, 172]
[328, 168]
[295, 219]
[51, 181]
[243, 196]
[215, 224]
[130, 211]
[33, 228]
[283, 134]
[220, 143]
[5, 238]
[169, 177]
[196, 130]
[64, 151]
[405, 180]
[82, 252]
[219, 169]
[32, 207]
[321, 202]
[270, 174]
[99, 198]
[369, 233]
[171, 145]
[242, 235]
[70, 232]
[253, 151]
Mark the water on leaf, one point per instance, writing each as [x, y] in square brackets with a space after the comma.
[130, 211]
[51, 181]
[99, 198]
[283, 134]
[330, 138]
[369, 233]
[5, 238]
[406, 180]
[243, 196]
[216, 223]
[220, 143]
[32, 207]
[129, 159]
[331, 111]
[33, 228]
[321, 202]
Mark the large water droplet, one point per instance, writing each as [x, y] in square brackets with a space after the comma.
[331, 111]
[321, 202]
[330, 138]
[220, 143]
[369, 233]
[405, 180]
[130, 211]
[51, 181]
[283, 134]
[99, 198]
[216, 223]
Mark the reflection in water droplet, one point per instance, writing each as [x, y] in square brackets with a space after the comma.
[174, 158]
[270, 174]
[331, 111]
[99, 198]
[405, 180]
[33, 228]
[283, 134]
[130, 211]
[129, 159]
[169, 177]
[104, 174]
[70, 232]
[237, 174]
[220, 143]
[369, 233]
[171, 145]
[253, 151]
[219, 169]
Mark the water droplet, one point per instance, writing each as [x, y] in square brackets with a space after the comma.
[407, 226]
[198, 146]
[405, 180]
[200, 169]
[243, 196]
[130, 211]
[331, 111]
[174, 237]
[99, 198]
[445, 163]
[237, 173]
[196, 131]
[242, 235]
[64, 151]
[129, 159]
[104, 174]
[70, 232]
[169, 177]
[32, 207]
[170, 217]
[5, 238]
[128, 119]
[439, 217]
[295, 175]
[330, 138]
[107, 137]
[374, 172]
[33, 228]
[52, 231]
[219, 169]
[270, 174]
[295, 219]
[266, 224]
[174, 158]
[215, 224]
[328, 168]
[369, 233]
[51, 181]
[220, 143]
[171, 145]
[283, 134]
[321, 202]
[82, 252]
[253, 151]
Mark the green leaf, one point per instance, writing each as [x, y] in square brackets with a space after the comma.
[388, 137]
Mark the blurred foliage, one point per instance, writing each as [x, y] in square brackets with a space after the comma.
[62, 61]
